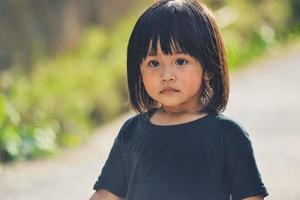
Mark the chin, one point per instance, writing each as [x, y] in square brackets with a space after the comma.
[170, 105]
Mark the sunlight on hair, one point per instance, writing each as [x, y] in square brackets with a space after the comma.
[175, 3]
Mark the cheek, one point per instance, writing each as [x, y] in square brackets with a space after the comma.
[192, 81]
[193, 85]
[149, 84]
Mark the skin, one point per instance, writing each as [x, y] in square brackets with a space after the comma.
[181, 72]
[254, 198]
[102, 194]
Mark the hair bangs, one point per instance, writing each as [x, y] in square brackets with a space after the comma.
[170, 27]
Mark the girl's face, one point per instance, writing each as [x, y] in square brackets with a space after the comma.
[173, 80]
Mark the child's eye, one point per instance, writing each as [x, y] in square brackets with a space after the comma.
[153, 63]
[180, 62]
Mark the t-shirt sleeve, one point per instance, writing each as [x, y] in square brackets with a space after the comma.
[113, 174]
[242, 172]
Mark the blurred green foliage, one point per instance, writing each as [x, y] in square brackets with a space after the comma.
[68, 95]
[257, 27]
[65, 96]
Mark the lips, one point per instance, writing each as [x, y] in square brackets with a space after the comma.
[169, 90]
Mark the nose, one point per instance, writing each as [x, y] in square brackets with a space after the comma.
[168, 75]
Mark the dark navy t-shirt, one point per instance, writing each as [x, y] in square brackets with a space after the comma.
[210, 158]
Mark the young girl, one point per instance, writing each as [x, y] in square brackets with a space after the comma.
[179, 146]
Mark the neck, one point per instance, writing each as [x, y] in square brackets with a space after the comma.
[182, 111]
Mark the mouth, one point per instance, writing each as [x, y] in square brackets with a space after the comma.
[169, 90]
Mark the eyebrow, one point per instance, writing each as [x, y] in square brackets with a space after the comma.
[152, 53]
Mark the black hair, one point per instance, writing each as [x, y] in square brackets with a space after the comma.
[186, 26]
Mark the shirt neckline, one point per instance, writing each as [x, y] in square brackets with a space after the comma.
[184, 124]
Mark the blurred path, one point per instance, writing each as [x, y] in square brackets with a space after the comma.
[264, 99]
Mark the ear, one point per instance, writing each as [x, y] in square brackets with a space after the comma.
[208, 76]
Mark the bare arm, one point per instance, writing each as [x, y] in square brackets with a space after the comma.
[254, 198]
[104, 195]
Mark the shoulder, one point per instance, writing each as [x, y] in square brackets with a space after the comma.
[131, 121]
[228, 122]
[128, 128]
[231, 128]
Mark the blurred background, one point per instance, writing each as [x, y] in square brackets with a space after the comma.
[63, 63]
